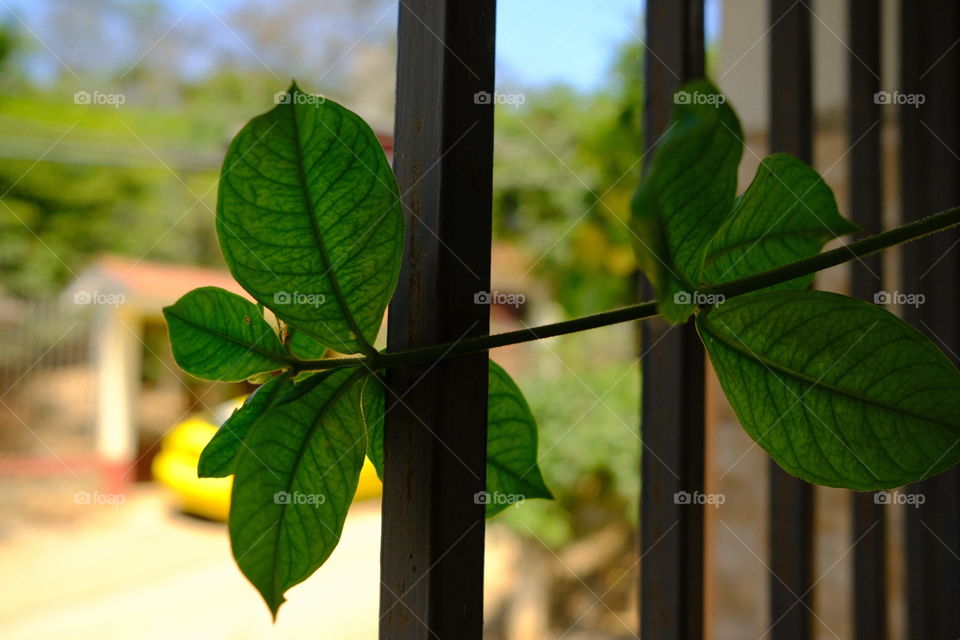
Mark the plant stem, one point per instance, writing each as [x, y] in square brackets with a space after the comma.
[872, 244]
[482, 343]
[813, 264]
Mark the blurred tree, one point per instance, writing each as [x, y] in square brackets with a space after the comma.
[567, 165]
[76, 179]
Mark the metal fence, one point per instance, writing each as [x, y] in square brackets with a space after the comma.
[46, 380]
[432, 551]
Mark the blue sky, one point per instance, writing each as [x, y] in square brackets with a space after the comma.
[571, 41]
[539, 42]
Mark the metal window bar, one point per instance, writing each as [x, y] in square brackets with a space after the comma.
[930, 142]
[432, 555]
[864, 128]
[673, 367]
[435, 433]
[791, 500]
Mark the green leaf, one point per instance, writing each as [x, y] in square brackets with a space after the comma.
[295, 480]
[839, 392]
[309, 220]
[303, 346]
[513, 473]
[218, 335]
[373, 406]
[218, 458]
[687, 194]
[786, 214]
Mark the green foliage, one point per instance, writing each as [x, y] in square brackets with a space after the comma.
[687, 195]
[513, 473]
[589, 444]
[219, 335]
[787, 213]
[566, 166]
[218, 458]
[306, 192]
[310, 224]
[840, 392]
[295, 479]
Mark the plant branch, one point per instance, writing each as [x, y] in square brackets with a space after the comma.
[854, 250]
[872, 244]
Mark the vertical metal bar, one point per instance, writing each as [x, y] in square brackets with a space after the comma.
[930, 144]
[791, 499]
[671, 574]
[864, 129]
[435, 434]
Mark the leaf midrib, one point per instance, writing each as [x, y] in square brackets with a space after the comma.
[327, 405]
[331, 275]
[802, 377]
[271, 355]
[713, 257]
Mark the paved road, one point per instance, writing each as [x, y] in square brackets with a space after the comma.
[140, 570]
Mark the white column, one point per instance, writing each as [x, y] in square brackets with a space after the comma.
[117, 357]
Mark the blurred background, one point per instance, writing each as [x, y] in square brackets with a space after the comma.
[114, 119]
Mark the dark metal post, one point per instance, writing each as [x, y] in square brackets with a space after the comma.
[930, 159]
[671, 575]
[791, 499]
[435, 435]
[864, 128]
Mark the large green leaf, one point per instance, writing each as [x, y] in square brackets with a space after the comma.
[218, 335]
[309, 219]
[513, 473]
[786, 214]
[840, 392]
[295, 480]
[218, 458]
[687, 195]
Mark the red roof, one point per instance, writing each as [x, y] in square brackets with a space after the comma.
[152, 284]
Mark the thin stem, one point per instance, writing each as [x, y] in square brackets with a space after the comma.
[482, 343]
[813, 264]
[878, 242]
[331, 363]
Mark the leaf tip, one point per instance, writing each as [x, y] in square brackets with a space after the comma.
[274, 606]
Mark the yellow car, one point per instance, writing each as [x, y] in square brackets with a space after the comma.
[176, 466]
